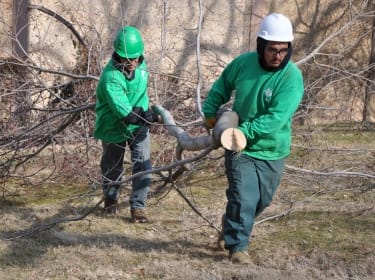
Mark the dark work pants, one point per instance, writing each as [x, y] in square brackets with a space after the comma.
[252, 184]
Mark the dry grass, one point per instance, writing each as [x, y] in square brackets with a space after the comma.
[328, 235]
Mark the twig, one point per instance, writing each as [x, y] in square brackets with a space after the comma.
[332, 148]
[282, 214]
[194, 208]
[198, 52]
[333, 173]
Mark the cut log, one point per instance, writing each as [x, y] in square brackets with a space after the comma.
[225, 133]
[233, 139]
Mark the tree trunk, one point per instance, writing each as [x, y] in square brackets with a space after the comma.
[258, 11]
[369, 102]
[20, 28]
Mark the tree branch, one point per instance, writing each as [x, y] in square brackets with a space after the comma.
[61, 19]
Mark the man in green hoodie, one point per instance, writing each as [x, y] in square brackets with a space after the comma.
[268, 89]
[123, 119]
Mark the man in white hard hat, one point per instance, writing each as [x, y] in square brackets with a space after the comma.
[268, 89]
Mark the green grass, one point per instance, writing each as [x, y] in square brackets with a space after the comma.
[41, 194]
[340, 135]
[332, 231]
[347, 237]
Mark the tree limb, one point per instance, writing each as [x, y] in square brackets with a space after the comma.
[61, 19]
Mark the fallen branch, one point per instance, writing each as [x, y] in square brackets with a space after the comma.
[333, 173]
[185, 141]
[47, 226]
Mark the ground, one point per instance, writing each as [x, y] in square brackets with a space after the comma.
[327, 232]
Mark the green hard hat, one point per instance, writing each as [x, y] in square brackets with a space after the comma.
[128, 42]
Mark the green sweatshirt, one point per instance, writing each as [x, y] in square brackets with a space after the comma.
[115, 98]
[264, 101]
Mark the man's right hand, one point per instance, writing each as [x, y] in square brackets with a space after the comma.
[140, 117]
[150, 116]
[135, 116]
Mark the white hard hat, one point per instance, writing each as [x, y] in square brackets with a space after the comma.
[276, 27]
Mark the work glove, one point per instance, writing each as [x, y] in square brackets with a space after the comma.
[209, 122]
[136, 116]
[150, 116]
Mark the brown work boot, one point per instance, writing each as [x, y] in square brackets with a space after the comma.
[240, 257]
[138, 215]
[220, 238]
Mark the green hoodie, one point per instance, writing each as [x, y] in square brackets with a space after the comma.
[115, 98]
[264, 101]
